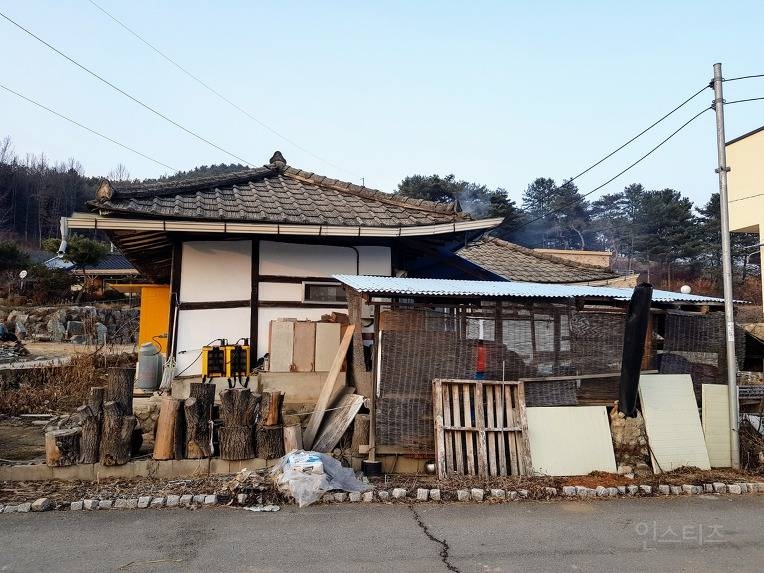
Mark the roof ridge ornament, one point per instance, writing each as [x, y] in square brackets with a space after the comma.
[105, 191]
[278, 162]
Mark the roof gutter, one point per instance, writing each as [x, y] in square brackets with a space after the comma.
[97, 222]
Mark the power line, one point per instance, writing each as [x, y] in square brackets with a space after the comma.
[123, 92]
[743, 78]
[616, 176]
[616, 150]
[743, 100]
[216, 92]
[85, 127]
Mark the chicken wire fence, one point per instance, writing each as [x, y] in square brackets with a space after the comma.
[420, 344]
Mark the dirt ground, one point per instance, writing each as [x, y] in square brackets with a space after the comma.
[21, 440]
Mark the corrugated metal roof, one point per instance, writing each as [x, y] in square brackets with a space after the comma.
[491, 289]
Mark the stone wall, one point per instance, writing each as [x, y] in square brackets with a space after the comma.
[629, 441]
[116, 324]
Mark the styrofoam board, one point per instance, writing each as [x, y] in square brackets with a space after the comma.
[570, 440]
[672, 422]
[716, 424]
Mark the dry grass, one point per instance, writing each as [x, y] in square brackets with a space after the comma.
[56, 389]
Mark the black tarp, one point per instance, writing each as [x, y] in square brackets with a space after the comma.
[637, 319]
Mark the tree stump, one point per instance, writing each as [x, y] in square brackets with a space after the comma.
[236, 442]
[204, 393]
[168, 428]
[62, 447]
[270, 442]
[360, 433]
[96, 400]
[120, 388]
[271, 408]
[292, 437]
[90, 437]
[198, 428]
[116, 438]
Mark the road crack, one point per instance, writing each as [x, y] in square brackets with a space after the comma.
[444, 549]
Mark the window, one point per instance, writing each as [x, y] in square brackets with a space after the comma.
[323, 293]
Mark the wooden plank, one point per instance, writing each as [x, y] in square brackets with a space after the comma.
[281, 345]
[469, 447]
[490, 422]
[500, 422]
[509, 412]
[716, 424]
[327, 390]
[327, 343]
[482, 454]
[304, 346]
[337, 422]
[577, 377]
[447, 436]
[523, 441]
[458, 451]
[437, 414]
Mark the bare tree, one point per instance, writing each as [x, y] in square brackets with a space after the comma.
[6, 150]
[119, 173]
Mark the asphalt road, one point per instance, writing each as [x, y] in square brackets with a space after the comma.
[705, 533]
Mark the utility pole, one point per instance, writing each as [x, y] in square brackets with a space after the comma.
[729, 312]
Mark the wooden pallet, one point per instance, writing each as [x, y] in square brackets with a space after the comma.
[480, 428]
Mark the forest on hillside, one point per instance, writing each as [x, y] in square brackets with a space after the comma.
[655, 230]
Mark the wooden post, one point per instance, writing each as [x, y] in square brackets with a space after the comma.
[90, 437]
[96, 400]
[360, 433]
[116, 439]
[120, 388]
[198, 429]
[62, 447]
[292, 437]
[238, 408]
[237, 442]
[270, 442]
[167, 428]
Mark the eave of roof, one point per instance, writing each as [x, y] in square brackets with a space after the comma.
[745, 135]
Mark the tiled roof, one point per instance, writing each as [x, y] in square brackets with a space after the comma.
[274, 193]
[516, 263]
[407, 287]
[109, 262]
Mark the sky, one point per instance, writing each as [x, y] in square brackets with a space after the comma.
[497, 93]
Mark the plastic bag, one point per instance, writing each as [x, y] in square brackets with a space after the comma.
[301, 475]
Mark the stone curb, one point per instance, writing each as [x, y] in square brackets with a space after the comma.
[397, 494]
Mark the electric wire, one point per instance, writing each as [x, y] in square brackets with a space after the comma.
[216, 92]
[124, 93]
[743, 78]
[619, 148]
[743, 100]
[616, 176]
[85, 127]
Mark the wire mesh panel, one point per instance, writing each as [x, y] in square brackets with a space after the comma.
[480, 428]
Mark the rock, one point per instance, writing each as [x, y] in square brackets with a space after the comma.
[646, 489]
[708, 487]
[173, 500]
[120, 504]
[622, 470]
[341, 496]
[76, 506]
[91, 504]
[734, 488]
[74, 327]
[498, 494]
[477, 494]
[354, 496]
[601, 491]
[462, 495]
[719, 487]
[199, 498]
[760, 487]
[42, 504]
[210, 499]
[569, 490]
[523, 493]
[383, 495]
[612, 491]
[328, 498]
[367, 497]
[79, 339]
[241, 499]
[676, 490]
[9, 509]
[186, 500]
[622, 489]
[688, 489]
[422, 494]
[435, 494]
[697, 489]
[24, 507]
[581, 490]
[632, 489]
[752, 488]
[156, 502]
[105, 504]
[743, 487]
[399, 493]
[663, 489]
[132, 503]
[550, 491]
[511, 495]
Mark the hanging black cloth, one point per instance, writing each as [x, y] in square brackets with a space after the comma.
[633, 347]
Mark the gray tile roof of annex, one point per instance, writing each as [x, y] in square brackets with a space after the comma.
[515, 263]
[274, 193]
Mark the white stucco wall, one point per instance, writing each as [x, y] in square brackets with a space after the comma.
[196, 328]
[216, 271]
[298, 260]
